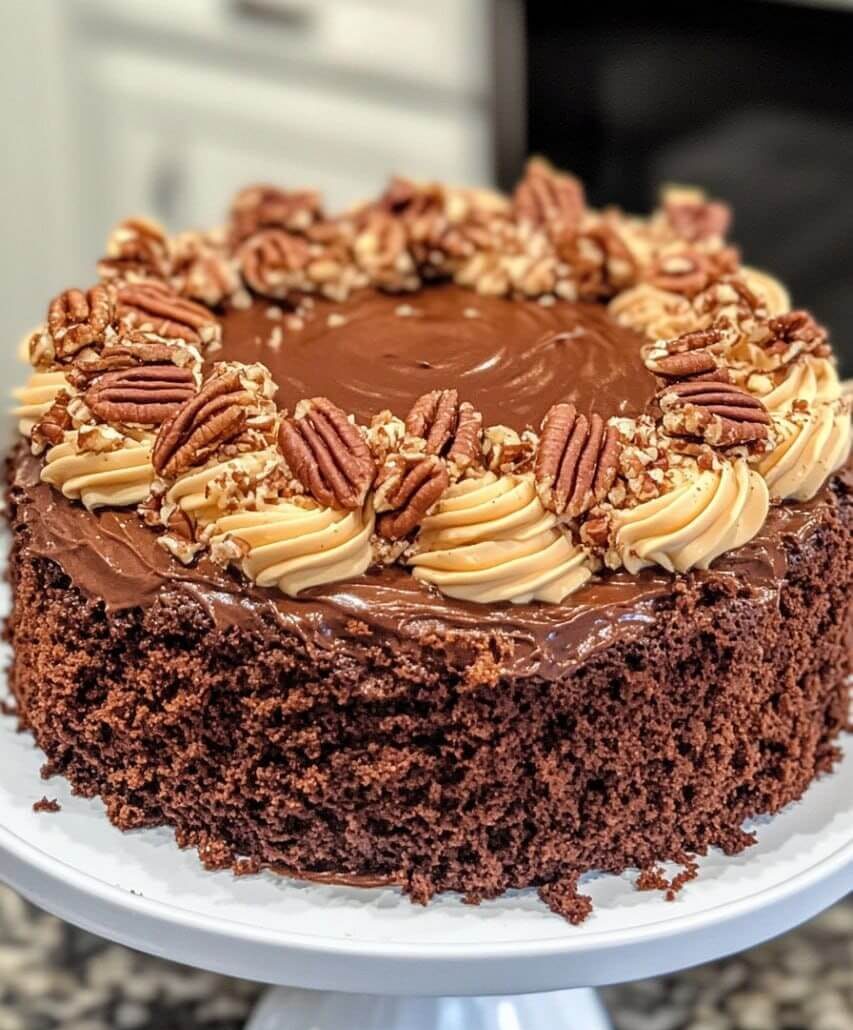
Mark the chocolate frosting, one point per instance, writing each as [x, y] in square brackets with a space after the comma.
[112, 556]
[512, 359]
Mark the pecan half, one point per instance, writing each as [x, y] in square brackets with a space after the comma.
[146, 395]
[550, 200]
[327, 454]
[601, 262]
[156, 308]
[722, 414]
[215, 415]
[127, 351]
[268, 207]
[78, 319]
[136, 246]
[274, 262]
[405, 493]
[577, 460]
[450, 429]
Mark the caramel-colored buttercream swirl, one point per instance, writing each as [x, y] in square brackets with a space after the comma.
[113, 471]
[809, 381]
[296, 544]
[710, 512]
[205, 493]
[490, 539]
[811, 446]
[657, 314]
[35, 397]
[768, 289]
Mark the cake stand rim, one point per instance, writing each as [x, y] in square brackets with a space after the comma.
[52, 870]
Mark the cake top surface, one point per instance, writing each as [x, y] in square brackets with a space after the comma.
[505, 399]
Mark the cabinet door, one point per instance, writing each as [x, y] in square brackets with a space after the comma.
[173, 140]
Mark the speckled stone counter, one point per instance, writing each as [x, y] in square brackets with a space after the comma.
[55, 976]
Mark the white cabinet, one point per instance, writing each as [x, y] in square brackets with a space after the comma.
[166, 107]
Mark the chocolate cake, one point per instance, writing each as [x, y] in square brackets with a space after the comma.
[457, 542]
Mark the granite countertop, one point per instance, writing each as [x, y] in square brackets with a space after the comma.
[55, 976]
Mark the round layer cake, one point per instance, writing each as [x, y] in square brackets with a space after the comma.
[457, 542]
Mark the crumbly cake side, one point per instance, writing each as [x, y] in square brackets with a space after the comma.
[411, 765]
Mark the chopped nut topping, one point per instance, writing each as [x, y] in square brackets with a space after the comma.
[137, 248]
[268, 207]
[549, 200]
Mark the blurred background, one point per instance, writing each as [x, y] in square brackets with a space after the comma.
[166, 107]
[151, 106]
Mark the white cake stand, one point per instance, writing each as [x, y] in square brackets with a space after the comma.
[370, 960]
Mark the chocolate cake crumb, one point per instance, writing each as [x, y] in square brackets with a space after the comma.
[45, 804]
[377, 763]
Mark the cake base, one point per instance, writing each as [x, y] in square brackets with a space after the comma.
[436, 760]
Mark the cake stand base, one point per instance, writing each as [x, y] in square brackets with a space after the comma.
[286, 1008]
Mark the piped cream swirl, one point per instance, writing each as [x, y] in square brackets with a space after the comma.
[490, 539]
[205, 493]
[35, 397]
[711, 512]
[115, 472]
[810, 380]
[294, 545]
[810, 447]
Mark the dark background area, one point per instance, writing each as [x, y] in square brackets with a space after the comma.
[752, 101]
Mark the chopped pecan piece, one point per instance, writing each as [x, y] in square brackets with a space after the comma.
[793, 334]
[722, 414]
[687, 273]
[550, 200]
[693, 217]
[52, 426]
[405, 493]
[215, 415]
[136, 247]
[268, 207]
[274, 262]
[326, 452]
[78, 319]
[146, 395]
[156, 308]
[450, 429]
[381, 251]
[577, 460]
[202, 271]
[600, 261]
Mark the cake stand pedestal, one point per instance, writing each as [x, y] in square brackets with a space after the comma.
[368, 959]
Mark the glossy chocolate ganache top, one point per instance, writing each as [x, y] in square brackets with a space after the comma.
[512, 359]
